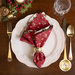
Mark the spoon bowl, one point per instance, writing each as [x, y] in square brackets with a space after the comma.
[65, 65]
[70, 31]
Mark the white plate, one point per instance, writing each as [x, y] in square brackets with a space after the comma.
[52, 48]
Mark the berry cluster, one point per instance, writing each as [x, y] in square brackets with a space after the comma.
[18, 6]
[13, 7]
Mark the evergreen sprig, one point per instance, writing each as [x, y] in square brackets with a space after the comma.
[15, 7]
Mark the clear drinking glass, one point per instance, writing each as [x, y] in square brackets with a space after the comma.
[61, 7]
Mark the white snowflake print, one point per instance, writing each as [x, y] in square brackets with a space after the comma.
[42, 38]
[49, 31]
[30, 26]
[36, 37]
[44, 23]
[39, 43]
[28, 36]
[45, 35]
[34, 60]
[42, 17]
[39, 23]
[40, 34]
[44, 42]
[33, 24]
[37, 58]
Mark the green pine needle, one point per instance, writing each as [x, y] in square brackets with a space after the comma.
[12, 8]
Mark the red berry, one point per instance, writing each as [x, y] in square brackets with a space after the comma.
[16, 8]
[24, 7]
[19, 11]
[26, 0]
[16, 5]
[20, 7]
[24, 3]
[29, 1]
[11, 4]
[21, 4]
[8, 1]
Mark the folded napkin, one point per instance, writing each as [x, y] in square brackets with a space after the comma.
[36, 34]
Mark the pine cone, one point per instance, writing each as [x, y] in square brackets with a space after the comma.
[4, 11]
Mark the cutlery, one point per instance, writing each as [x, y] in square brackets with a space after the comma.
[65, 64]
[9, 32]
[70, 33]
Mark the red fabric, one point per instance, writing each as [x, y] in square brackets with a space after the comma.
[39, 39]
[38, 23]
[39, 59]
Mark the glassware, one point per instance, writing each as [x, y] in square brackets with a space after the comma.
[61, 7]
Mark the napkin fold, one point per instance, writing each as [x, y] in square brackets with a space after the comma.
[36, 34]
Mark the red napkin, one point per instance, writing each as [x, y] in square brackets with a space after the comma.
[37, 39]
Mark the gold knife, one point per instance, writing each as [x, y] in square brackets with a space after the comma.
[64, 29]
[9, 32]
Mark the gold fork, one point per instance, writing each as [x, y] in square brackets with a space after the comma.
[9, 32]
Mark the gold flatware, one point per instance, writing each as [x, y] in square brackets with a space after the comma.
[70, 33]
[9, 32]
[65, 64]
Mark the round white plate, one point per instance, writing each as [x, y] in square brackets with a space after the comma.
[52, 48]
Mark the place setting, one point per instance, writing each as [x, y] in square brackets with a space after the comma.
[34, 43]
[38, 39]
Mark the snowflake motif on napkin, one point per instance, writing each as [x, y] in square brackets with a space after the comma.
[37, 40]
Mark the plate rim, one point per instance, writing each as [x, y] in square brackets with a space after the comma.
[23, 19]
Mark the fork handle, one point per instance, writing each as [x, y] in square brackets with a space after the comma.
[9, 54]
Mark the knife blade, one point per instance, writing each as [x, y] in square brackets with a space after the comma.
[64, 25]
[64, 29]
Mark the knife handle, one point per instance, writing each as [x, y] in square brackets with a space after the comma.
[9, 54]
[65, 53]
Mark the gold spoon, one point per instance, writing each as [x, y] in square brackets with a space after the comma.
[70, 33]
[65, 64]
